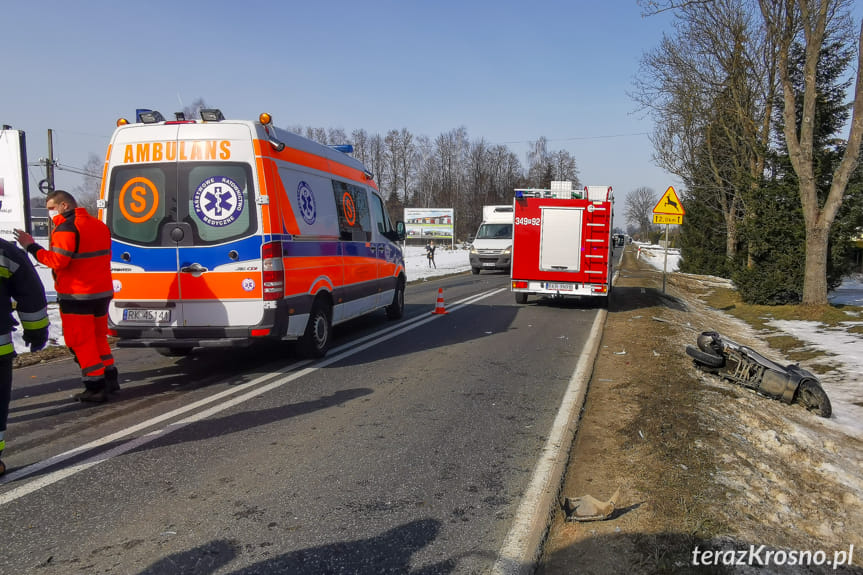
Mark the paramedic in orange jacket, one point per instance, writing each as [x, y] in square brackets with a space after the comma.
[80, 255]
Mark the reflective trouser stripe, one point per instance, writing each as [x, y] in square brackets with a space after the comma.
[87, 336]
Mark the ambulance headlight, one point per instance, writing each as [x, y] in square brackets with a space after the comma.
[473, 249]
[507, 251]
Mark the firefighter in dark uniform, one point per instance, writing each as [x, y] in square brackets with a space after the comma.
[80, 255]
[18, 281]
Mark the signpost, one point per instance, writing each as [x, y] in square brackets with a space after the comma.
[668, 210]
[14, 193]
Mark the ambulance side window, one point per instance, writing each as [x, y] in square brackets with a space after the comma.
[138, 203]
[381, 218]
[353, 207]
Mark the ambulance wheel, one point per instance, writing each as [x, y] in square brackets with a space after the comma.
[397, 309]
[174, 351]
[520, 298]
[318, 336]
[474, 271]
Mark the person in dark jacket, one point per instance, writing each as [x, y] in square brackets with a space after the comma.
[80, 255]
[19, 282]
[430, 248]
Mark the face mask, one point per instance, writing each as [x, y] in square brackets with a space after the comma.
[53, 214]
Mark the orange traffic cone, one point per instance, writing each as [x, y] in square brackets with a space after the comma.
[439, 307]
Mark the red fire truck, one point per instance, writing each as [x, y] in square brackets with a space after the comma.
[562, 243]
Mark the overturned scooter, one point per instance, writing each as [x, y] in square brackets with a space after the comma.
[744, 366]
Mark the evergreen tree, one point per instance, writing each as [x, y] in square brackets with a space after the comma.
[775, 228]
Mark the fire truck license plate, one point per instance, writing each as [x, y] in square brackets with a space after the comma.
[559, 287]
[149, 315]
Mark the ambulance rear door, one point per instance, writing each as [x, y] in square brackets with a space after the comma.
[182, 211]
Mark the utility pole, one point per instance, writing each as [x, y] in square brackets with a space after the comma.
[50, 167]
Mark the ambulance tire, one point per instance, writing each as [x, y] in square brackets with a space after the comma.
[474, 271]
[397, 309]
[520, 298]
[319, 331]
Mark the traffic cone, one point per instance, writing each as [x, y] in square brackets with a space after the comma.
[439, 306]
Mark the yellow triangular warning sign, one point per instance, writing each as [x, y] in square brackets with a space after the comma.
[669, 204]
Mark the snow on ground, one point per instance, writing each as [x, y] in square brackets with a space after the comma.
[844, 384]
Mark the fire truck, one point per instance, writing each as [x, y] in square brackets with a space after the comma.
[562, 245]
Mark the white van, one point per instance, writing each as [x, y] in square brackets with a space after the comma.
[227, 232]
[492, 246]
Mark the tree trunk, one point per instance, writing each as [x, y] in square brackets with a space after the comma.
[815, 273]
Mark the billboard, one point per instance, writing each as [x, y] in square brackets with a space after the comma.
[14, 194]
[429, 223]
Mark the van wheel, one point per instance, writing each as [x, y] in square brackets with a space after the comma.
[397, 309]
[318, 335]
[520, 297]
[474, 271]
[174, 351]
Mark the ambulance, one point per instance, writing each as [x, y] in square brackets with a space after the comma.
[562, 245]
[229, 232]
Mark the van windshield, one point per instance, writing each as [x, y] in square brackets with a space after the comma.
[494, 232]
[212, 198]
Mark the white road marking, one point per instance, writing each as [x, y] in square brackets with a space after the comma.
[336, 354]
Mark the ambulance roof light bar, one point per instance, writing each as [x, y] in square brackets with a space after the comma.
[343, 148]
[212, 115]
[149, 116]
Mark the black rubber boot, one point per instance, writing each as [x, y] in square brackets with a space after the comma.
[112, 379]
[94, 392]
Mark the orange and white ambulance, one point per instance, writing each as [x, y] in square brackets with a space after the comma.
[226, 232]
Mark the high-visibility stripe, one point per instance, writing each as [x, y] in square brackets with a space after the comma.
[37, 324]
[96, 254]
[85, 296]
[10, 265]
[7, 349]
[33, 315]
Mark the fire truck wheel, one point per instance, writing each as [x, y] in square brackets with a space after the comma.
[397, 309]
[318, 335]
[474, 271]
[520, 298]
[811, 396]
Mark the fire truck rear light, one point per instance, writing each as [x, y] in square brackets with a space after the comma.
[260, 332]
[519, 285]
[599, 289]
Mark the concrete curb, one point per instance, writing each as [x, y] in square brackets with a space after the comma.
[522, 546]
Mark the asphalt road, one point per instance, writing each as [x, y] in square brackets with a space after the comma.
[406, 450]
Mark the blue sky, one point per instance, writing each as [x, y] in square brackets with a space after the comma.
[509, 72]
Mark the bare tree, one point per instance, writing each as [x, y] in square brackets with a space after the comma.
[87, 193]
[639, 209]
[710, 89]
[810, 22]
[193, 110]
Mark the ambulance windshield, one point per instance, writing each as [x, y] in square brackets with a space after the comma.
[209, 201]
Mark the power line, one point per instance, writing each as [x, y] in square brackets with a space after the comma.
[602, 137]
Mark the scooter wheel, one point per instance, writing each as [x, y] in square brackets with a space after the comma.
[812, 396]
[705, 357]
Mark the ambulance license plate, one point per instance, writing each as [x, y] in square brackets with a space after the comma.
[148, 315]
[488, 264]
[559, 287]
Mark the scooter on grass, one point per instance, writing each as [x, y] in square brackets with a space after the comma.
[744, 366]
